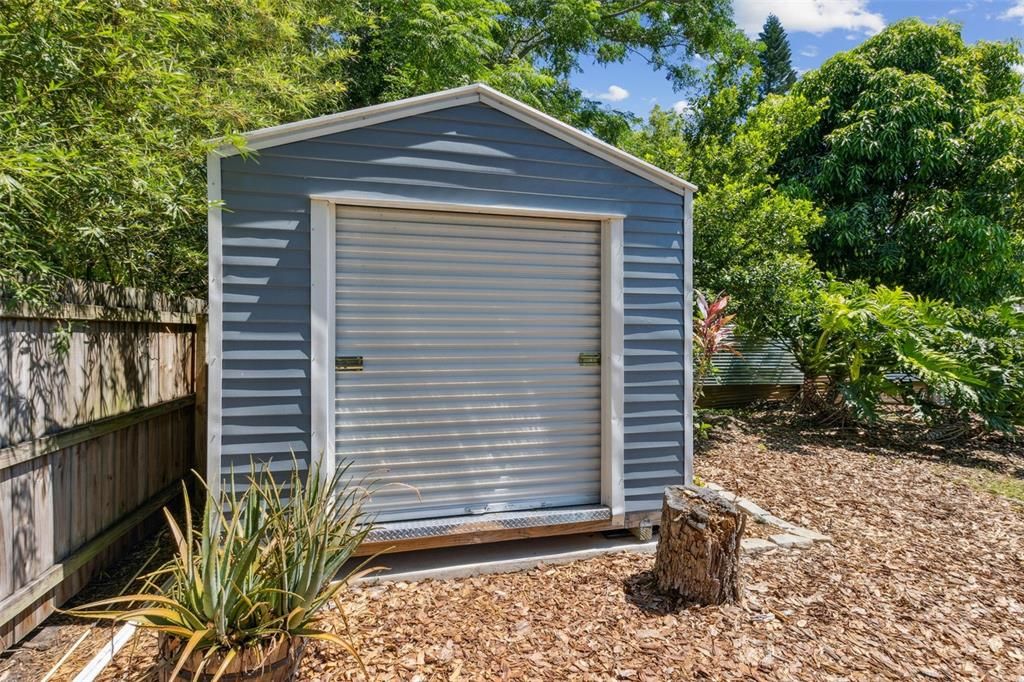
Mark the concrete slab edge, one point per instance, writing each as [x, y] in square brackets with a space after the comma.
[510, 565]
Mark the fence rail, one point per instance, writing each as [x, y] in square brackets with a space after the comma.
[97, 428]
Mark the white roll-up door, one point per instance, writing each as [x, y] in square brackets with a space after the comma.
[471, 396]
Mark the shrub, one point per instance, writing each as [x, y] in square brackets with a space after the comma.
[257, 573]
[711, 335]
[948, 363]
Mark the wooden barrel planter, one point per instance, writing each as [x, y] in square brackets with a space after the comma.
[277, 664]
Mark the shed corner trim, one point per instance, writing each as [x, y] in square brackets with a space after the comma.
[215, 328]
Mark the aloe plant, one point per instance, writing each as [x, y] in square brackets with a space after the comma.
[262, 566]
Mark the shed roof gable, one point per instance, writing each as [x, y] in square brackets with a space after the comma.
[478, 92]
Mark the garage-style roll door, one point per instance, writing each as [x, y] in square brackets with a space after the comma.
[471, 396]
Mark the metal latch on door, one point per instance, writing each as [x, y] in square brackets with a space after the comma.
[586, 359]
[348, 363]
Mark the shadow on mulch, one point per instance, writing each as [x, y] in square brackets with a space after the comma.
[642, 592]
[781, 430]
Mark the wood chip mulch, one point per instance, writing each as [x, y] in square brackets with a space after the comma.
[925, 581]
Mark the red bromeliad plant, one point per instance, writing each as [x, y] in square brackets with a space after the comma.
[711, 335]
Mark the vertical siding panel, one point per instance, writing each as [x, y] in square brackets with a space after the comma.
[23, 550]
[7, 530]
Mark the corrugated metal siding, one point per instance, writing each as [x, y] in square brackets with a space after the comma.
[767, 363]
[465, 154]
[471, 394]
[762, 371]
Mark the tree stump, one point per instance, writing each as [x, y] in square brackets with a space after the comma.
[698, 555]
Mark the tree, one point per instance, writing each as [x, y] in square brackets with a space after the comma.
[918, 163]
[103, 111]
[747, 231]
[875, 346]
[104, 107]
[777, 74]
[528, 48]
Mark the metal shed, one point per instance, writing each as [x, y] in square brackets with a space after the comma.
[460, 294]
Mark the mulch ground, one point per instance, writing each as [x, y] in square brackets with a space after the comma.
[925, 580]
[40, 654]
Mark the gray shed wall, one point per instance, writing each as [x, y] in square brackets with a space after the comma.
[465, 154]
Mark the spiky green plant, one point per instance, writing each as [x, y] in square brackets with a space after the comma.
[264, 563]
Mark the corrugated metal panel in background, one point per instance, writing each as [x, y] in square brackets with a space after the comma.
[761, 371]
[470, 327]
[767, 363]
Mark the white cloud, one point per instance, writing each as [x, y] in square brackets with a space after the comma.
[957, 10]
[681, 107]
[810, 16]
[614, 93]
[1019, 68]
[1014, 12]
[810, 51]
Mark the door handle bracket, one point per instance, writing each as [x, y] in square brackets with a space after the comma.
[348, 363]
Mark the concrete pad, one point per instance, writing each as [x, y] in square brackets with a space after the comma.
[501, 557]
[754, 546]
[812, 535]
[787, 541]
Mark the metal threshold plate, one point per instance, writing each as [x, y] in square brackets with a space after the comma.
[482, 523]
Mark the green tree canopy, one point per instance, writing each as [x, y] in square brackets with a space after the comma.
[749, 236]
[777, 74]
[528, 48]
[104, 106]
[918, 162]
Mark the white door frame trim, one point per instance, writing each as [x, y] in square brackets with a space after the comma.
[323, 222]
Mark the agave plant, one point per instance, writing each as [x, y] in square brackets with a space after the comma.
[264, 563]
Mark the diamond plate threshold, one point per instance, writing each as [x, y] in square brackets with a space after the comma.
[482, 523]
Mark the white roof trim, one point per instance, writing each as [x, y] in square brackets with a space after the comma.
[478, 92]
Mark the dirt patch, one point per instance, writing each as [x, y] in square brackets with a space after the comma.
[923, 581]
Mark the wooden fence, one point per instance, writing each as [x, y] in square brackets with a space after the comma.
[98, 425]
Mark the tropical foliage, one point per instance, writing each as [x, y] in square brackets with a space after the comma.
[867, 346]
[103, 111]
[918, 162]
[257, 573]
[871, 213]
[840, 218]
[711, 336]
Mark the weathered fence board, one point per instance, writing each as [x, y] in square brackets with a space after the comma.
[97, 430]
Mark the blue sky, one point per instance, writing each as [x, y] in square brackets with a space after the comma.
[817, 29]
